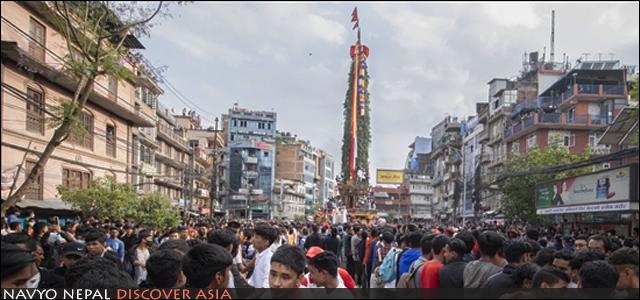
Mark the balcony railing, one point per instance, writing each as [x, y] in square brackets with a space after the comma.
[559, 119]
[548, 118]
[528, 122]
[576, 119]
[165, 113]
[168, 131]
[601, 119]
[508, 133]
[612, 90]
[517, 127]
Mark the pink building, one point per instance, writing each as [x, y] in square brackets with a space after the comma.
[111, 115]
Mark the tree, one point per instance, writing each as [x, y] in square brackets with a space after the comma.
[94, 33]
[103, 199]
[519, 200]
[157, 211]
[364, 127]
[392, 214]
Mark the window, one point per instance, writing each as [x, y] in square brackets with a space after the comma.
[111, 140]
[243, 123]
[515, 147]
[35, 114]
[261, 125]
[594, 138]
[235, 123]
[569, 140]
[35, 190]
[85, 140]
[269, 126]
[37, 41]
[266, 154]
[112, 87]
[145, 154]
[531, 141]
[75, 179]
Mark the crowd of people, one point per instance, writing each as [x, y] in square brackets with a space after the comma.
[200, 253]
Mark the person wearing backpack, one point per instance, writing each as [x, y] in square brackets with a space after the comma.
[386, 257]
[429, 275]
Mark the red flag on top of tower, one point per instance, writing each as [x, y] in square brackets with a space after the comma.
[354, 15]
[356, 25]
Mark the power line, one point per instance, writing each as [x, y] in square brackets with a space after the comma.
[171, 89]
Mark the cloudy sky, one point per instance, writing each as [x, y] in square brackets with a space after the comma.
[427, 60]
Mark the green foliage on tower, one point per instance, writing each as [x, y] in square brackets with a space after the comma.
[364, 127]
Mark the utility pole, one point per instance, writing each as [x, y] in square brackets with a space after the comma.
[213, 195]
[464, 184]
[188, 174]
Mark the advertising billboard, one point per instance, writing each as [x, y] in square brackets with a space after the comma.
[389, 176]
[584, 193]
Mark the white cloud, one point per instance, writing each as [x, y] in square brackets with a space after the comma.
[612, 18]
[512, 14]
[427, 59]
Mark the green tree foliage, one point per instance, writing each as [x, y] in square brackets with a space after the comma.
[519, 193]
[94, 35]
[157, 211]
[364, 127]
[392, 215]
[107, 199]
[103, 199]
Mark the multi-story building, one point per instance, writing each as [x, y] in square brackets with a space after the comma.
[472, 150]
[173, 155]
[577, 107]
[109, 116]
[296, 160]
[447, 157]
[289, 198]
[418, 174]
[392, 199]
[143, 140]
[208, 150]
[325, 169]
[250, 168]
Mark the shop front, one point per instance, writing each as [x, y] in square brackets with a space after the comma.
[596, 201]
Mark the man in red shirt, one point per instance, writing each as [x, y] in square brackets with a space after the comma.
[429, 274]
[343, 275]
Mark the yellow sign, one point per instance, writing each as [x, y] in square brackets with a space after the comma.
[389, 176]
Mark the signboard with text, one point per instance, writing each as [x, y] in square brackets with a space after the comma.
[389, 176]
[583, 193]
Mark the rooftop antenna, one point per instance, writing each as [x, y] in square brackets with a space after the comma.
[553, 30]
[599, 56]
[612, 54]
[586, 56]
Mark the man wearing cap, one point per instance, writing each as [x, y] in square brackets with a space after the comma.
[343, 275]
[70, 253]
[139, 253]
[567, 242]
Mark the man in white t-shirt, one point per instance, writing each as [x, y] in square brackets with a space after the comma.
[263, 241]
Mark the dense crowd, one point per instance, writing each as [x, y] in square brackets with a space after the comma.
[202, 253]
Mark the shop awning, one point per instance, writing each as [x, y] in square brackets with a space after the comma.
[380, 195]
[42, 204]
[383, 215]
[623, 129]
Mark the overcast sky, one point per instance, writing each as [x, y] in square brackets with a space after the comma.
[427, 60]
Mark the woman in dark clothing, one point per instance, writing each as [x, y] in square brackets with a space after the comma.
[333, 242]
